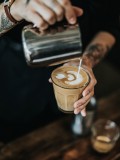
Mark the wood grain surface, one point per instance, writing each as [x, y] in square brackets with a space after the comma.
[56, 141]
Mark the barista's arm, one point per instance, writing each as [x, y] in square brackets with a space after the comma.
[39, 12]
[5, 23]
[93, 54]
[98, 48]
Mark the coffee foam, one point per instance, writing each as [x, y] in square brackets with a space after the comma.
[60, 76]
[66, 76]
[72, 78]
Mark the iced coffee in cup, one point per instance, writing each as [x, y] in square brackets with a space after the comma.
[68, 86]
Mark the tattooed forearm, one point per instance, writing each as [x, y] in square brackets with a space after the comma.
[98, 48]
[96, 52]
[5, 24]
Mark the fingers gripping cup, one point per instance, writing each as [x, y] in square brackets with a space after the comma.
[68, 86]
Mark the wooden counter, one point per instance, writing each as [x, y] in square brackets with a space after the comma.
[57, 142]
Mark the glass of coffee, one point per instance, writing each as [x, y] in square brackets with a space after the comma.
[105, 133]
[68, 86]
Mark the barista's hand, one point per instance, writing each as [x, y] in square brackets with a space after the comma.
[80, 105]
[43, 13]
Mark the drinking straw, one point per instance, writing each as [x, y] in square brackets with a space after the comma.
[79, 67]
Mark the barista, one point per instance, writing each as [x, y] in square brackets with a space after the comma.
[24, 97]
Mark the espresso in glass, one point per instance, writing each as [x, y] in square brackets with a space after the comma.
[68, 86]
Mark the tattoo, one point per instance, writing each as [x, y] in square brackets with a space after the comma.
[96, 52]
[5, 24]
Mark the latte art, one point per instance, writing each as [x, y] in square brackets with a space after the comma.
[70, 77]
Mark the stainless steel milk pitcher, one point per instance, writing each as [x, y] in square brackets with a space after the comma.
[57, 44]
